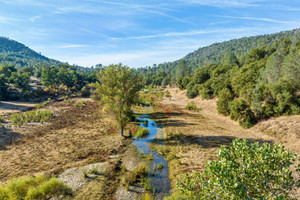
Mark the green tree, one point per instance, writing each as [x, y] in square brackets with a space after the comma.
[49, 76]
[225, 96]
[181, 69]
[119, 89]
[164, 82]
[240, 111]
[21, 80]
[243, 171]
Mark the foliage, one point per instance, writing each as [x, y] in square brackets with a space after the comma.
[136, 175]
[263, 71]
[192, 106]
[40, 116]
[243, 171]
[141, 132]
[240, 111]
[119, 86]
[39, 187]
[160, 165]
[225, 96]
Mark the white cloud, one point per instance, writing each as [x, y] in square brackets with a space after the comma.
[64, 46]
[34, 18]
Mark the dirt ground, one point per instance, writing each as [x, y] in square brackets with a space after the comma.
[7, 107]
[77, 136]
[200, 134]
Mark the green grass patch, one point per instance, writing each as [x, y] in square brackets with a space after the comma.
[160, 165]
[142, 132]
[40, 116]
[137, 175]
[2, 119]
[39, 187]
[192, 106]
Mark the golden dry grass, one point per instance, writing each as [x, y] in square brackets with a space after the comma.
[77, 136]
[197, 136]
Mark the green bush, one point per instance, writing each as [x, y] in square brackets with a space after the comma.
[160, 166]
[192, 106]
[40, 116]
[2, 119]
[142, 132]
[225, 96]
[39, 187]
[243, 171]
[240, 111]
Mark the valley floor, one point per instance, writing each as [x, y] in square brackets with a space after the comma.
[196, 136]
[78, 135]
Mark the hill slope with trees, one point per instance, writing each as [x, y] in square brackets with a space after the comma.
[254, 78]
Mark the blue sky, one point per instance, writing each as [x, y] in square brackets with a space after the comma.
[138, 33]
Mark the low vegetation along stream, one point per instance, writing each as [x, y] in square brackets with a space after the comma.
[159, 172]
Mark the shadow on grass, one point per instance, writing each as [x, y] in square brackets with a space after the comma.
[7, 137]
[10, 106]
[202, 141]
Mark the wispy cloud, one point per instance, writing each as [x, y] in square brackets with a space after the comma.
[224, 3]
[64, 46]
[7, 20]
[257, 19]
[34, 18]
[186, 33]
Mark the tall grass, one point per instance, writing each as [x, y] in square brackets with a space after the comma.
[31, 116]
[139, 174]
[39, 187]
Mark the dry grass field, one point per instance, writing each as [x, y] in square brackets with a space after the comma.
[76, 136]
[196, 136]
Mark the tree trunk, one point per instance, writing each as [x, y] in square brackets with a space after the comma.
[122, 130]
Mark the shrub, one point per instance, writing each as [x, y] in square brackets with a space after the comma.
[160, 166]
[39, 187]
[40, 116]
[240, 111]
[225, 96]
[142, 132]
[2, 119]
[192, 106]
[168, 94]
[243, 171]
[85, 92]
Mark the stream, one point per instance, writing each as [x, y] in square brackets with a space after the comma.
[159, 178]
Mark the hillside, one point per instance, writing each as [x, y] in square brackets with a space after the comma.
[16, 53]
[215, 53]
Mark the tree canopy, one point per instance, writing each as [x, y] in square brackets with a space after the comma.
[118, 88]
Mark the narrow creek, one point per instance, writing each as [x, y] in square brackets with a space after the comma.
[159, 178]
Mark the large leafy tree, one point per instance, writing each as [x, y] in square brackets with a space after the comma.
[243, 171]
[119, 88]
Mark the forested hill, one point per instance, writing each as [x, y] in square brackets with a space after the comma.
[216, 52]
[15, 53]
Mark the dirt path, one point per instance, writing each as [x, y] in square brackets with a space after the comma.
[7, 107]
[198, 135]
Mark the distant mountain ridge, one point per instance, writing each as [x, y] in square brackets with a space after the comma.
[214, 53]
[16, 53]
